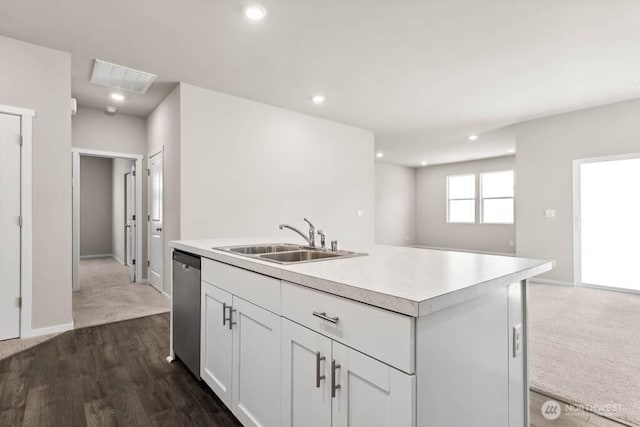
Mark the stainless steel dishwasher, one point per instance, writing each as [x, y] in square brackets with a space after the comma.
[186, 310]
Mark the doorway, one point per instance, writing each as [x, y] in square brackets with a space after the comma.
[607, 225]
[127, 238]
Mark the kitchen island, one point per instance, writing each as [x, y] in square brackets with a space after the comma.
[398, 337]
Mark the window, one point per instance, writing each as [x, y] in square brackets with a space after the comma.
[461, 199]
[496, 192]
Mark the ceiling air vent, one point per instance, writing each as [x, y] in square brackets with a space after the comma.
[119, 77]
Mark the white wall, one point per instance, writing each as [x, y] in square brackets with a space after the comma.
[395, 204]
[247, 167]
[120, 168]
[40, 78]
[96, 206]
[95, 130]
[431, 210]
[163, 130]
[544, 174]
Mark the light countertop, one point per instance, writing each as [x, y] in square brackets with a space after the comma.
[411, 281]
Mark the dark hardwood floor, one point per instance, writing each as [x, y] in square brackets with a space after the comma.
[117, 375]
[109, 375]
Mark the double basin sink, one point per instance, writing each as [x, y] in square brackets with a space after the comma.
[287, 253]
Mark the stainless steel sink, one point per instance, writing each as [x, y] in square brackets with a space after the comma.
[287, 253]
[263, 249]
[300, 256]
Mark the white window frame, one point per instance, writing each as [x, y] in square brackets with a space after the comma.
[474, 199]
[481, 198]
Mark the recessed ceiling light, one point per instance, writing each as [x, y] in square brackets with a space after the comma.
[318, 99]
[511, 150]
[255, 12]
[118, 97]
[379, 154]
[473, 137]
[423, 163]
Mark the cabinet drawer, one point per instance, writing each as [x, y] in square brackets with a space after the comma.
[263, 291]
[381, 334]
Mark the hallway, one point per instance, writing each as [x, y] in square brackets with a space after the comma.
[107, 295]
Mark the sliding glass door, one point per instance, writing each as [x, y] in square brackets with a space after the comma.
[608, 222]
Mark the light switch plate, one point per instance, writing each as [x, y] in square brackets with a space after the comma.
[549, 213]
[517, 340]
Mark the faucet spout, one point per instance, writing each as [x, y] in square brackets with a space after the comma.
[305, 237]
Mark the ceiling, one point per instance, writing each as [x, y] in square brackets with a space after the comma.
[422, 74]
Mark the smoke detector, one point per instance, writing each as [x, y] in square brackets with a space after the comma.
[111, 110]
[122, 78]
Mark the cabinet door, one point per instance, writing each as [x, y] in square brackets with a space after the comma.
[256, 365]
[370, 393]
[306, 359]
[216, 341]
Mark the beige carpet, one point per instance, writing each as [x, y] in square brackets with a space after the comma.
[107, 295]
[585, 348]
[11, 347]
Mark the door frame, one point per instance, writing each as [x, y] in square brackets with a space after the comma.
[138, 158]
[153, 154]
[577, 218]
[26, 211]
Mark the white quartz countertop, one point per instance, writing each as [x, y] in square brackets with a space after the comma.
[411, 281]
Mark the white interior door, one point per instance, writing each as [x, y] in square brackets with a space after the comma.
[130, 222]
[609, 223]
[9, 226]
[156, 235]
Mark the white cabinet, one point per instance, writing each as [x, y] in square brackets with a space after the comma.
[306, 363]
[256, 365]
[370, 393]
[216, 340]
[240, 356]
[325, 383]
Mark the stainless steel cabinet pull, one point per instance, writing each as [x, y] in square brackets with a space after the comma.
[231, 322]
[324, 316]
[224, 313]
[318, 376]
[334, 386]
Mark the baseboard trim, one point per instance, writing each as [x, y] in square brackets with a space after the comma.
[97, 256]
[609, 288]
[118, 259]
[436, 248]
[55, 329]
[553, 282]
[166, 295]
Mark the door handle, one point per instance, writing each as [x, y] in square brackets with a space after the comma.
[159, 229]
[127, 226]
[334, 386]
[319, 377]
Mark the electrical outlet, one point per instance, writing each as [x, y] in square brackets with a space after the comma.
[511, 243]
[517, 340]
[549, 213]
[360, 213]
